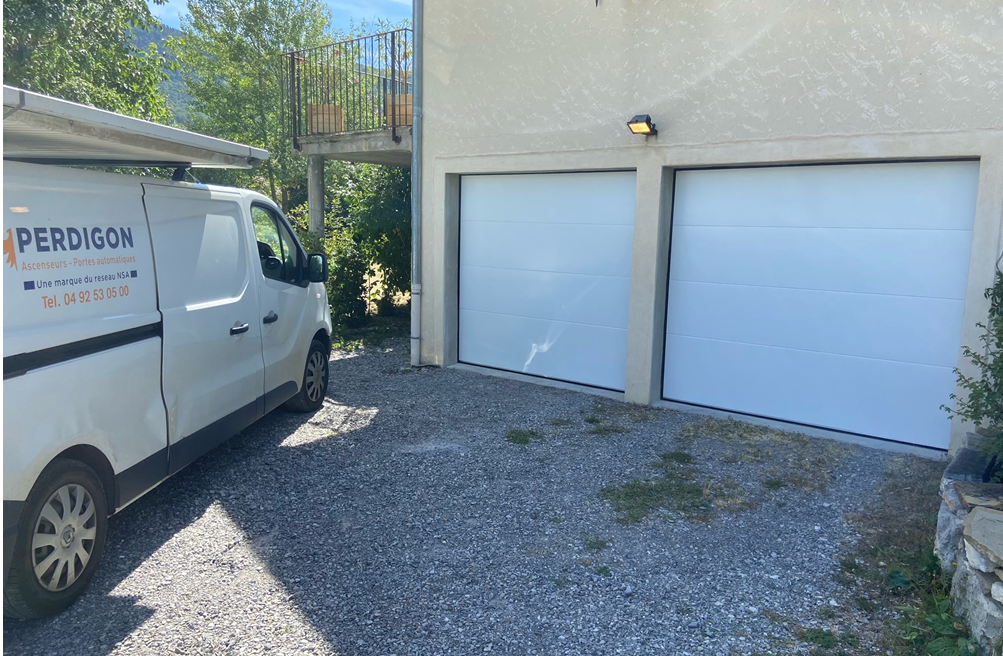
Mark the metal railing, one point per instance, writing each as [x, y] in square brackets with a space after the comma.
[362, 85]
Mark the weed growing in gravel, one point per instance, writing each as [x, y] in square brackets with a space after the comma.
[634, 500]
[676, 490]
[591, 419]
[826, 613]
[774, 483]
[560, 582]
[820, 637]
[555, 520]
[684, 610]
[521, 436]
[602, 570]
[596, 543]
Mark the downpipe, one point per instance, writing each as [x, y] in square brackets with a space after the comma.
[417, 76]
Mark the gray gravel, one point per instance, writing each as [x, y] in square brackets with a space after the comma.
[398, 520]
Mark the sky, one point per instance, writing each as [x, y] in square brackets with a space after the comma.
[342, 11]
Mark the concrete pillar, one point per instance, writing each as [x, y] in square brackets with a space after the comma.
[648, 281]
[315, 194]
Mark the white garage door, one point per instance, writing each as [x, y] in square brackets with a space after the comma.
[545, 274]
[825, 295]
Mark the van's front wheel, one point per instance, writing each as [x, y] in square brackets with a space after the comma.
[315, 377]
[60, 539]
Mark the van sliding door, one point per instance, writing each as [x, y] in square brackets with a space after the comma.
[213, 370]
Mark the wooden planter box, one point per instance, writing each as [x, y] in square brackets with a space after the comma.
[325, 119]
[402, 110]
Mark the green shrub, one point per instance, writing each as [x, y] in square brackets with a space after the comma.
[983, 403]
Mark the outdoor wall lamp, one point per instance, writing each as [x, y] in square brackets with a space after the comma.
[641, 124]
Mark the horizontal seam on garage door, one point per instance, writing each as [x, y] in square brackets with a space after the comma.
[566, 273]
[526, 316]
[814, 289]
[554, 223]
[799, 227]
[804, 350]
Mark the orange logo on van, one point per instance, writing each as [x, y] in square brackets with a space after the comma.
[8, 250]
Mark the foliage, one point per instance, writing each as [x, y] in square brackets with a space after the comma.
[380, 208]
[934, 627]
[230, 57]
[983, 403]
[83, 50]
[347, 265]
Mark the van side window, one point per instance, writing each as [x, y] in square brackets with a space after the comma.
[277, 249]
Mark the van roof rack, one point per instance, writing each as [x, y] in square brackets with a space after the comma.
[41, 129]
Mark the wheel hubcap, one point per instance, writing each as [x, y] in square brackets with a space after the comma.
[64, 536]
[316, 375]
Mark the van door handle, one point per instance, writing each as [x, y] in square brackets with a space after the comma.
[271, 318]
[240, 328]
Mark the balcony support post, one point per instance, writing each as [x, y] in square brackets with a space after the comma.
[315, 194]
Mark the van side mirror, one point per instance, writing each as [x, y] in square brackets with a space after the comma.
[272, 263]
[317, 267]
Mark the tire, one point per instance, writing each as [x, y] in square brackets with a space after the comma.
[64, 523]
[315, 377]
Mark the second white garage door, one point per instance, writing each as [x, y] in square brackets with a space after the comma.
[825, 295]
[545, 274]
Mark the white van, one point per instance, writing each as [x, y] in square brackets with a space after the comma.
[145, 322]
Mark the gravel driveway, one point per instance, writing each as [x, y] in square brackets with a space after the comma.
[400, 520]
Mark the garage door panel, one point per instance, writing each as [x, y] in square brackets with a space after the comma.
[593, 300]
[545, 263]
[827, 295]
[901, 328]
[929, 195]
[553, 349]
[894, 400]
[590, 249]
[551, 198]
[878, 261]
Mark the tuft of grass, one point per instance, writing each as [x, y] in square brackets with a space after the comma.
[634, 500]
[592, 419]
[821, 637]
[555, 520]
[522, 436]
[684, 610]
[866, 605]
[596, 543]
[826, 613]
[774, 484]
[560, 582]
[602, 570]
[560, 421]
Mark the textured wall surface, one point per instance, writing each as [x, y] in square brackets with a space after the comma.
[503, 77]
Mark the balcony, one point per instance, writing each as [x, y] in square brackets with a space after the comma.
[352, 100]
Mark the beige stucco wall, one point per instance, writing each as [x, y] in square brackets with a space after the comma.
[548, 86]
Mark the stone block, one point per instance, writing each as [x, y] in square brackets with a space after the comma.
[983, 530]
[978, 495]
[982, 613]
[948, 538]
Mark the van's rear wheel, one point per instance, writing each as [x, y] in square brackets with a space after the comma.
[60, 540]
[315, 376]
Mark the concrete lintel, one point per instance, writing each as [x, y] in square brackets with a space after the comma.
[368, 147]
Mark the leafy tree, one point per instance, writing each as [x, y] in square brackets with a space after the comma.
[230, 57]
[82, 50]
[380, 207]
